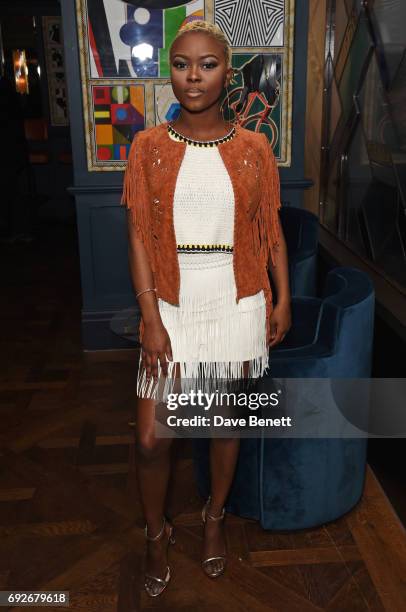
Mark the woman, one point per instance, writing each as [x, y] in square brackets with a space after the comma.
[210, 316]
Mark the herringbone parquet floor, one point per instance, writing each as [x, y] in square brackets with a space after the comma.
[70, 516]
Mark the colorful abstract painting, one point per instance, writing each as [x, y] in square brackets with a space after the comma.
[125, 70]
[251, 23]
[255, 96]
[118, 113]
[131, 40]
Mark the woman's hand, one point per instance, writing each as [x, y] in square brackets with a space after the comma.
[156, 345]
[280, 322]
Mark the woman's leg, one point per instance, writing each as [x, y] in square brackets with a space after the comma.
[153, 464]
[223, 460]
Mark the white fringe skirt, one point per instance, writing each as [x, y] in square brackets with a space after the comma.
[211, 334]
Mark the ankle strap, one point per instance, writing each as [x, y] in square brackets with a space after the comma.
[157, 536]
[214, 518]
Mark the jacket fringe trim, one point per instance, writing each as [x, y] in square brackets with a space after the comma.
[135, 197]
[266, 225]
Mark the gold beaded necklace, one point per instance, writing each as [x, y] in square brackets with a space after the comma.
[201, 143]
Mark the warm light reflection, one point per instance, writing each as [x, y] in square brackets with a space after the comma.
[20, 71]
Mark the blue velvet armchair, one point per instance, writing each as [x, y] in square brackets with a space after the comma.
[300, 228]
[296, 483]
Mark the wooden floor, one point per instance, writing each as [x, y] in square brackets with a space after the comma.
[69, 511]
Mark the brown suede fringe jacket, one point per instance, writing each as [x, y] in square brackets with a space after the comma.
[149, 186]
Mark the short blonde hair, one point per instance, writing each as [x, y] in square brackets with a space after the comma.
[212, 29]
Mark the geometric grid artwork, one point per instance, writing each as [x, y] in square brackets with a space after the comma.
[251, 23]
[118, 112]
[129, 40]
[125, 71]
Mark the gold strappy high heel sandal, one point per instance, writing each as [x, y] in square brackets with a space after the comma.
[151, 582]
[205, 563]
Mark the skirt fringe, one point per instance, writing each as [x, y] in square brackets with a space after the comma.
[211, 334]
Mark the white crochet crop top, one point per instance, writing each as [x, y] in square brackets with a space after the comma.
[203, 205]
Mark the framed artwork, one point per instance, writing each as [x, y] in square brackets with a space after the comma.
[115, 28]
[54, 57]
[124, 58]
[251, 23]
[119, 112]
[258, 107]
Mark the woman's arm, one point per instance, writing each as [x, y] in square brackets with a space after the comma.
[155, 339]
[276, 249]
[280, 270]
[156, 342]
[280, 321]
